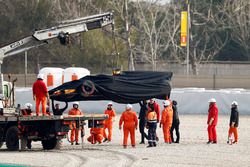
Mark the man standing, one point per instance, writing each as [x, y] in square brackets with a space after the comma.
[130, 122]
[212, 121]
[233, 124]
[108, 123]
[166, 121]
[40, 92]
[157, 109]
[142, 118]
[151, 125]
[175, 124]
[74, 129]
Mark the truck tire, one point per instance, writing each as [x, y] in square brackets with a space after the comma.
[12, 140]
[49, 144]
[1, 144]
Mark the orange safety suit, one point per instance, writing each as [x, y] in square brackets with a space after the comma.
[26, 112]
[212, 114]
[130, 124]
[234, 131]
[166, 121]
[40, 92]
[96, 135]
[108, 124]
[74, 130]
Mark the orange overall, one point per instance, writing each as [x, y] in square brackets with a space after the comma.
[234, 131]
[130, 124]
[74, 130]
[40, 92]
[166, 121]
[233, 124]
[108, 124]
[96, 135]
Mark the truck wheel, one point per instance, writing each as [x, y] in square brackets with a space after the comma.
[12, 141]
[49, 144]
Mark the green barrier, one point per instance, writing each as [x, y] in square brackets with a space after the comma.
[11, 165]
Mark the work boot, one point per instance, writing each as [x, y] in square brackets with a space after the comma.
[72, 143]
[235, 142]
[150, 145]
[77, 143]
[214, 142]
[209, 142]
[124, 146]
[142, 142]
[177, 142]
[154, 144]
[106, 139]
[133, 146]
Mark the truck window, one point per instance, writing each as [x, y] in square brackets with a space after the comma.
[6, 91]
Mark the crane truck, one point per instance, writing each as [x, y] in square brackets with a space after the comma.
[16, 129]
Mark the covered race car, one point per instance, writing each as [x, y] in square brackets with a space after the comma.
[127, 87]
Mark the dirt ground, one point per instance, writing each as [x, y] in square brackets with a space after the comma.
[192, 150]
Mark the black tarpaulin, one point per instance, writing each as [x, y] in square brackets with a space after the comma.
[128, 87]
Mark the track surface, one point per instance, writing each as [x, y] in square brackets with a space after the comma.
[192, 151]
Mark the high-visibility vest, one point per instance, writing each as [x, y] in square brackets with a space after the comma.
[152, 117]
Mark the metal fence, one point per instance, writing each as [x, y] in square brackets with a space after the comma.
[208, 68]
[216, 75]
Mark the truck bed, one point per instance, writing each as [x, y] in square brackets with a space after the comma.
[54, 117]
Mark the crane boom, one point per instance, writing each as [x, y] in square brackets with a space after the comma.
[61, 31]
[65, 28]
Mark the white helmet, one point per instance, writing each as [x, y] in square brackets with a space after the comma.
[235, 103]
[28, 106]
[110, 104]
[40, 76]
[166, 103]
[129, 106]
[76, 103]
[212, 100]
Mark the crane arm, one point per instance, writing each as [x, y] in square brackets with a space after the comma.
[62, 32]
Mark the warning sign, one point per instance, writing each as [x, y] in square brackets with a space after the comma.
[184, 28]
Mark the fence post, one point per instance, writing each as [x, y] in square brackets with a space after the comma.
[214, 81]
